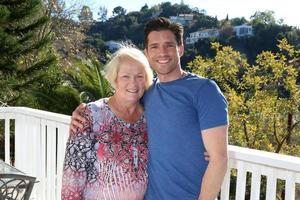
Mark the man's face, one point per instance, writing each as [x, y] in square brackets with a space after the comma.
[163, 52]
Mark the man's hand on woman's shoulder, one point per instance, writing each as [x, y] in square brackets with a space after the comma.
[77, 120]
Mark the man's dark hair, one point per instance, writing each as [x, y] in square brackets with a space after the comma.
[162, 23]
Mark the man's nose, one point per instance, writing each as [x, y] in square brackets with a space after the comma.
[162, 50]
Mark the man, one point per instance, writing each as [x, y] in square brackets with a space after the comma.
[186, 116]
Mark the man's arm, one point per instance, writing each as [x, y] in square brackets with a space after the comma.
[77, 119]
[215, 142]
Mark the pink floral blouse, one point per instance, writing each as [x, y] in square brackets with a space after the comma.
[107, 160]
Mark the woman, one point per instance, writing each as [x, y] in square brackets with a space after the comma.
[107, 158]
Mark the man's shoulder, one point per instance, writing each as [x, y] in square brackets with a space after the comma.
[195, 82]
[195, 77]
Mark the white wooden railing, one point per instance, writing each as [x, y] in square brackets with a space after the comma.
[261, 163]
[40, 139]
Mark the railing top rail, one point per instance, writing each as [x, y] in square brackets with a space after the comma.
[271, 159]
[37, 113]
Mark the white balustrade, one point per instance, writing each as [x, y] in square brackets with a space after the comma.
[40, 139]
[261, 163]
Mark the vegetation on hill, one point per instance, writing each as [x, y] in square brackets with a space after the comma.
[263, 98]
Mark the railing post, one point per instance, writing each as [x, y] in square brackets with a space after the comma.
[226, 183]
[290, 186]
[7, 139]
[255, 183]
[241, 180]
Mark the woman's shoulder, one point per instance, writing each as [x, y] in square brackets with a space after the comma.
[97, 111]
[97, 106]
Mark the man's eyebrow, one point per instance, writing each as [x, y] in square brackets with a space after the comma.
[152, 44]
[170, 42]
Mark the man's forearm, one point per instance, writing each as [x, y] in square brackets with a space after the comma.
[213, 179]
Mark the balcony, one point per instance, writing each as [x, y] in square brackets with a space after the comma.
[38, 141]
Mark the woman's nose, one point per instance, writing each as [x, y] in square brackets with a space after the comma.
[133, 80]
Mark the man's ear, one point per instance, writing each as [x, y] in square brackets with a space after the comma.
[181, 50]
[146, 52]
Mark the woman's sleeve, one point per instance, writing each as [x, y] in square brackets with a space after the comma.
[78, 159]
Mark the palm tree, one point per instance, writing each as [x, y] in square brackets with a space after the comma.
[88, 79]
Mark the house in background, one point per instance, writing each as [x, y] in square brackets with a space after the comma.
[207, 33]
[243, 30]
[155, 14]
[240, 31]
[183, 19]
[112, 45]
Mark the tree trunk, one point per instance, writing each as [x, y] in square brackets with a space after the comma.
[289, 128]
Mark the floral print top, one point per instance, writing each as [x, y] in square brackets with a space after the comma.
[107, 160]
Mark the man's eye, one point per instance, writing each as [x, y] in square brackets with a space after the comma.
[170, 45]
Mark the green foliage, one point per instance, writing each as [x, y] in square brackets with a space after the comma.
[88, 80]
[62, 99]
[102, 13]
[238, 21]
[86, 14]
[267, 30]
[124, 27]
[84, 82]
[263, 98]
[266, 17]
[119, 10]
[27, 60]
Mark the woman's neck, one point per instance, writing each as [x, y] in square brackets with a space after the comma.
[128, 111]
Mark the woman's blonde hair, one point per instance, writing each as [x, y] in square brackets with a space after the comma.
[127, 52]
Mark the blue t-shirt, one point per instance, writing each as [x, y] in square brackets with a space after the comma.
[176, 112]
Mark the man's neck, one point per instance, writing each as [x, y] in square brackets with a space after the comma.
[171, 77]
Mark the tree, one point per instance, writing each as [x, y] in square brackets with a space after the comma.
[144, 8]
[102, 13]
[61, 16]
[266, 18]
[238, 21]
[263, 98]
[119, 10]
[226, 32]
[86, 15]
[88, 79]
[27, 60]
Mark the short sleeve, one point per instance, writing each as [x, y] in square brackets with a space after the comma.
[211, 105]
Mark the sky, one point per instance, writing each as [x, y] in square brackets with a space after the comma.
[288, 10]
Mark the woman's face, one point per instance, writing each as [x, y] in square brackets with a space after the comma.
[130, 81]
